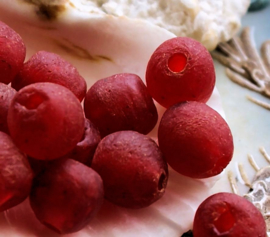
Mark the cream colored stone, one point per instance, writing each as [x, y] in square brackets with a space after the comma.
[208, 21]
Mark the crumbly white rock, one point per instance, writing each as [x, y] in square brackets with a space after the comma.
[208, 21]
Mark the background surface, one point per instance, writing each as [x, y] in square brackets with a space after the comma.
[250, 123]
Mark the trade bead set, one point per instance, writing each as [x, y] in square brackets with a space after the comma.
[67, 157]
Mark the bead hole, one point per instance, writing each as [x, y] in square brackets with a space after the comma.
[177, 62]
[225, 220]
[162, 182]
[32, 101]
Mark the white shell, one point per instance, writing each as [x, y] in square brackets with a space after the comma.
[260, 194]
[100, 45]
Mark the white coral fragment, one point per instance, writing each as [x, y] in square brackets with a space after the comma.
[208, 21]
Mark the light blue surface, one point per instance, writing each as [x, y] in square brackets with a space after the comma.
[259, 21]
[250, 123]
